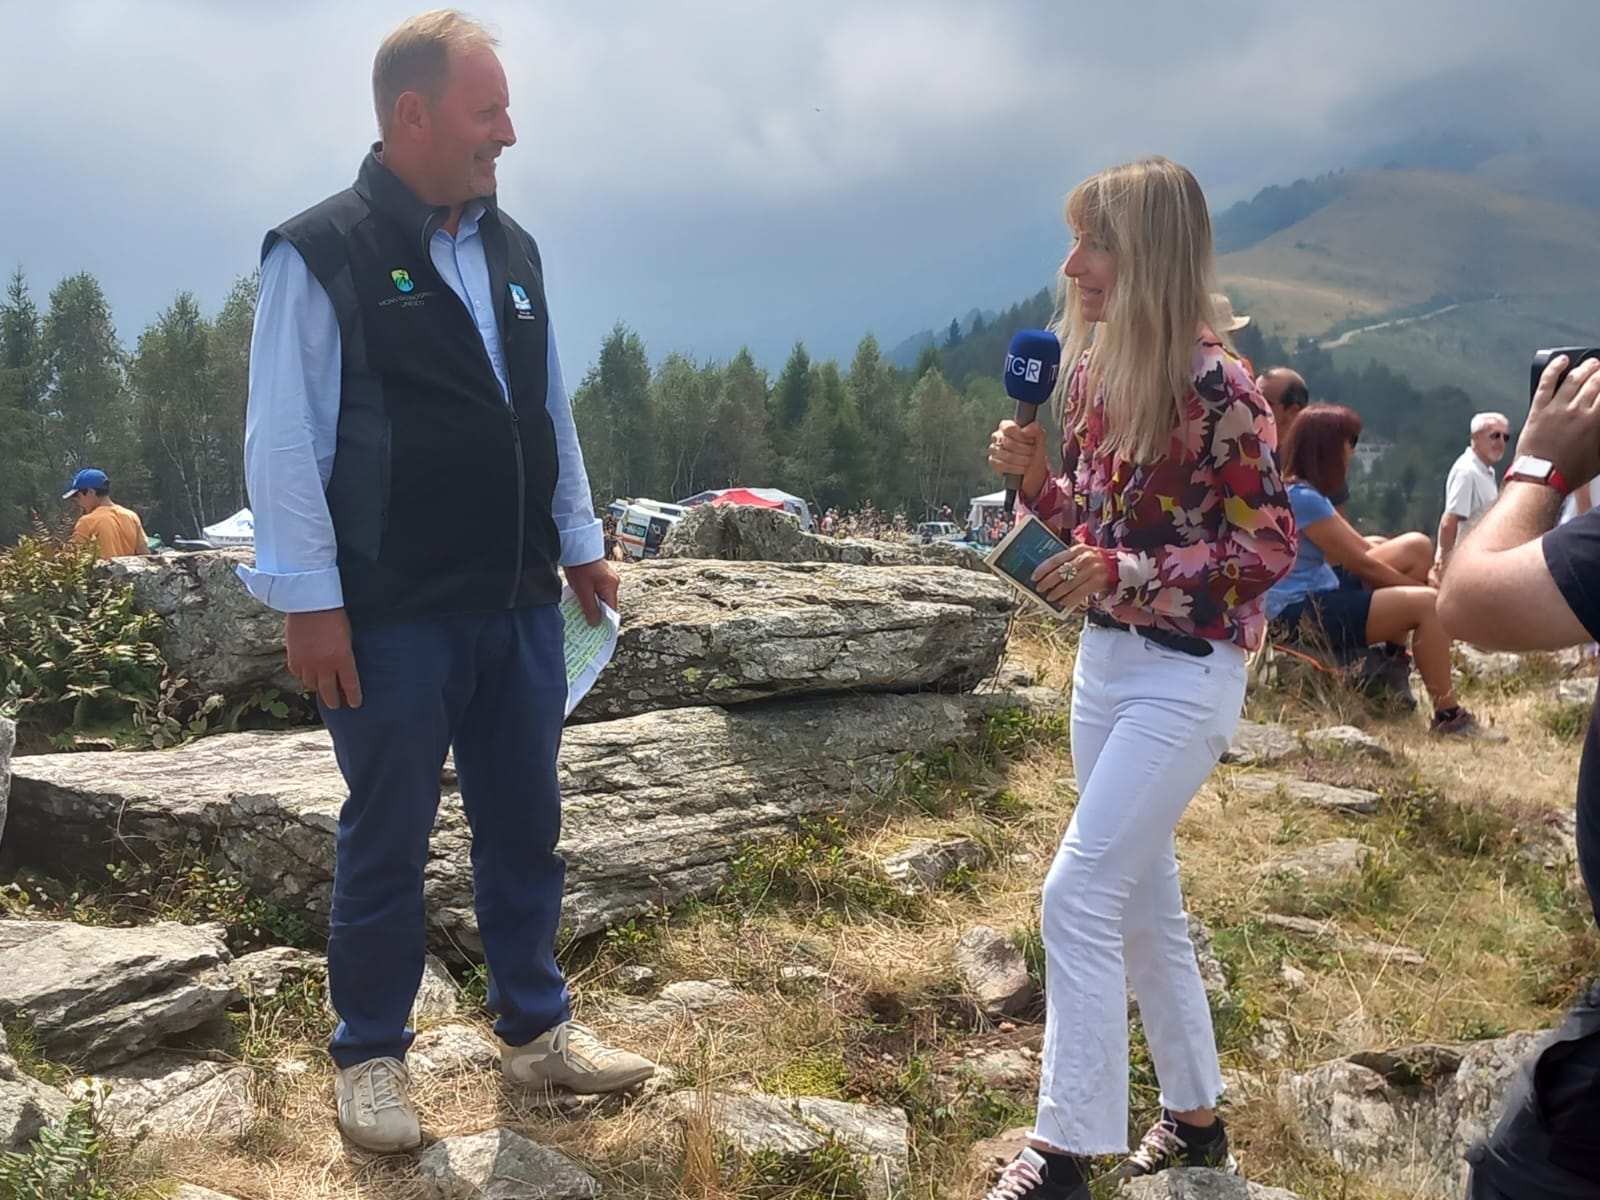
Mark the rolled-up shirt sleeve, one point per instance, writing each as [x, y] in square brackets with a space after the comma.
[572, 507]
[291, 430]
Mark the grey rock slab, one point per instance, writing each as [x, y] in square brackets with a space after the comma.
[1196, 1183]
[1406, 1121]
[451, 1050]
[1347, 739]
[1487, 664]
[1574, 691]
[654, 806]
[926, 865]
[1306, 927]
[191, 1191]
[725, 633]
[438, 996]
[994, 972]
[262, 974]
[1005, 1067]
[173, 1097]
[688, 998]
[1320, 862]
[1357, 801]
[693, 632]
[216, 634]
[501, 1165]
[1256, 745]
[101, 996]
[27, 1105]
[755, 1124]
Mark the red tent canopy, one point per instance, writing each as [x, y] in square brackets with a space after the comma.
[746, 497]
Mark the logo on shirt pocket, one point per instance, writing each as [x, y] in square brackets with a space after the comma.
[402, 280]
[522, 302]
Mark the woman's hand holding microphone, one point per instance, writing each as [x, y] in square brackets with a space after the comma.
[1078, 574]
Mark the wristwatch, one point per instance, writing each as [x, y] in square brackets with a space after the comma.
[1528, 468]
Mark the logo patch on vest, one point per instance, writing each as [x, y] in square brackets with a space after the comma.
[402, 280]
[522, 302]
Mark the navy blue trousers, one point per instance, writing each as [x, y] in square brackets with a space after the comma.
[494, 686]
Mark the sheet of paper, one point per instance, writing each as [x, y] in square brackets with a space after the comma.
[588, 647]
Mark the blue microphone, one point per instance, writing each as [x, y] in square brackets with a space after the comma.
[1032, 363]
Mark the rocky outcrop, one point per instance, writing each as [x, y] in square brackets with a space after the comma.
[994, 972]
[1196, 1183]
[693, 633]
[26, 1104]
[501, 1165]
[1348, 740]
[1405, 1118]
[100, 996]
[172, 1096]
[1319, 795]
[757, 1124]
[736, 534]
[216, 635]
[1261, 745]
[925, 866]
[1320, 862]
[655, 805]
[698, 633]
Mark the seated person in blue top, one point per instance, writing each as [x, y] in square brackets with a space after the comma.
[1393, 604]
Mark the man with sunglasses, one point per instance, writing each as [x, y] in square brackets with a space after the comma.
[1471, 486]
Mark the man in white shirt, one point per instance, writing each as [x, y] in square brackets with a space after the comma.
[1471, 487]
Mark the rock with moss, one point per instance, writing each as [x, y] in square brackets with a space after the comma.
[796, 1138]
[8, 744]
[655, 806]
[99, 996]
[501, 1165]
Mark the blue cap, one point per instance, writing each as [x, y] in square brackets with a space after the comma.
[90, 479]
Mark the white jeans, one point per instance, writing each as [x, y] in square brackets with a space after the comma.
[1148, 725]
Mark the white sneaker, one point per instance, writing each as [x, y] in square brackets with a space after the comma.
[374, 1111]
[571, 1057]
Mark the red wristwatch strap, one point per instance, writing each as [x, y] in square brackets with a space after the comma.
[1554, 480]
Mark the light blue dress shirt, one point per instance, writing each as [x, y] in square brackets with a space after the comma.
[292, 423]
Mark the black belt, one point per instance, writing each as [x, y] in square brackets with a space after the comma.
[1199, 647]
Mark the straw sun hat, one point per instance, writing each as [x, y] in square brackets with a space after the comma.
[1226, 321]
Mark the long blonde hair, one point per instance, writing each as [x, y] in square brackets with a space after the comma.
[1151, 215]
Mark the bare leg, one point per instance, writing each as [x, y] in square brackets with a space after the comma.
[1397, 612]
[1411, 554]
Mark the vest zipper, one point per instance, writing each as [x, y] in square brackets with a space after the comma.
[522, 506]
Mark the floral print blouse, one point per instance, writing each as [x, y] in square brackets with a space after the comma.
[1193, 541]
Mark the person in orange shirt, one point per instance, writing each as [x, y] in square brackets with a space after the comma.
[116, 532]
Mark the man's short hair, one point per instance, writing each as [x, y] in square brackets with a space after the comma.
[1483, 420]
[1295, 393]
[416, 57]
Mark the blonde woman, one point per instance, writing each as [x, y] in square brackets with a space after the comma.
[1177, 523]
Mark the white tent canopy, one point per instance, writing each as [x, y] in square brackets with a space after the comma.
[237, 530]
[980, 505]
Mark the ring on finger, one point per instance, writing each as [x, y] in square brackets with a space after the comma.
[1067, 572]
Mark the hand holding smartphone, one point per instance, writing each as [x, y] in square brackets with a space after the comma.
[1020, 554]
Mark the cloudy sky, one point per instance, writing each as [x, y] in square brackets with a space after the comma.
[726, 172]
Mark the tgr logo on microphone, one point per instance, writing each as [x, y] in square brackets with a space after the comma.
[1029, 369]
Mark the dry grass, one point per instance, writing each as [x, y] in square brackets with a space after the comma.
[1453, 872]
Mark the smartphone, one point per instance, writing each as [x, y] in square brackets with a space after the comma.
[1541, 360]
[1019, 555]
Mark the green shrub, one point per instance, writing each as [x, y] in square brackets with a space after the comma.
[73, 652]
[65, 1162]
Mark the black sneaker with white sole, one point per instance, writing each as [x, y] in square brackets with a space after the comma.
[1031, 1176]
[1165, 1147]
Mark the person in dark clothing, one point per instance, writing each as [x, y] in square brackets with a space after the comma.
[1523, 583]
[417, 482]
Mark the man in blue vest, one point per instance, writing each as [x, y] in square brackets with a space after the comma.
[416, 481]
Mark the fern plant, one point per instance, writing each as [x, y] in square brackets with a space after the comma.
[64, 1163]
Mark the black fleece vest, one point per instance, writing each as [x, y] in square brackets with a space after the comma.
[441, 492]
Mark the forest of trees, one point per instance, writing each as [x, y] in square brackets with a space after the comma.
[166, 419]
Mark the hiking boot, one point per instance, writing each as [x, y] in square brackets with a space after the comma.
[1463, 724]
[1028, 1177]
[571, 1057]
[1163, 1148]
[374, 1111]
